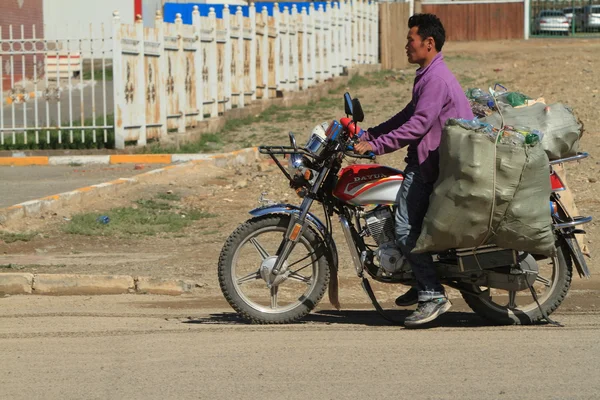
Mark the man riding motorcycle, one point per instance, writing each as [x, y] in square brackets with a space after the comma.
[437, 97]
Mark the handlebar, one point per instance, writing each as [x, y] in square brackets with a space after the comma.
[370, 155]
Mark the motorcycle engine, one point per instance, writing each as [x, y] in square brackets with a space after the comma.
[380, 225]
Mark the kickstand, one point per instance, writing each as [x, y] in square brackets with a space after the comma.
[546, 317]
[367, 288]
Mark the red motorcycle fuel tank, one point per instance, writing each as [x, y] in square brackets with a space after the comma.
[367, 184]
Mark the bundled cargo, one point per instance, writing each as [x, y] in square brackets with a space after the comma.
[502, 108]
[489, 192]
[561, 128]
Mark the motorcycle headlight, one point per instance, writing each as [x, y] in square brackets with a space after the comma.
[315, 145]
[316, 142]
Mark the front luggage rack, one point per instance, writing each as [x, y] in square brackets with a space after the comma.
[274, 150]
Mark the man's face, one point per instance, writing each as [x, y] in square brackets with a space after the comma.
[417, 49]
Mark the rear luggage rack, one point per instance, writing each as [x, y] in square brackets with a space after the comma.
[576, 221]
[579, 156]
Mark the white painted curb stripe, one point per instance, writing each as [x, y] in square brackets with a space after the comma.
[84, 160]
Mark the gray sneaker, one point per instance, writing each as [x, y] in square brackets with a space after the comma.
[427, 311]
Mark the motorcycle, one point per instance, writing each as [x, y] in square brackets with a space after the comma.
[276, 267]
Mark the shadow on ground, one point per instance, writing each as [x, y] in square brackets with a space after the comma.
[358, 317]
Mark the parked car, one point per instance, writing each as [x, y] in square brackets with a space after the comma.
[574, 16]
[591, 17]
[551, 21]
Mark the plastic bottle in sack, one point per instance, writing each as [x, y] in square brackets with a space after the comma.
[514, 99]
[471, 124]
[480, 97]
[534, 136]
[514, 136]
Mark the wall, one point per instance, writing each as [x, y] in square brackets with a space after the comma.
[17, 13]
[478, 20]
[393, 28]
[65, 18]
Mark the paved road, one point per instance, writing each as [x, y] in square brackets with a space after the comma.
[20, 184]
[144, 347]
[60, 105]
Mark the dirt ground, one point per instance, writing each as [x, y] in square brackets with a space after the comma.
[565, 71]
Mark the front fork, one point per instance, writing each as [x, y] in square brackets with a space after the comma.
[294, 233]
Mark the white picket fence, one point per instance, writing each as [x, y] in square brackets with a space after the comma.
[173, 76]
[169, 78]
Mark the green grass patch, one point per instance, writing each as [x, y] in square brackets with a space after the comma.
[212, 142]
[466, 80]
[29, 266]
[15, 267]
[15, 237]
[168, 196]
[459, 57]
[65, 142]
[148, 217]
[358, 81]
[87, 73]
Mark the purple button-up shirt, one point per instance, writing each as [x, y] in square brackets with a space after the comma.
[437, 96]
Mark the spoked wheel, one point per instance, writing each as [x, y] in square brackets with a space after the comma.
[247, 260]
[518, 307]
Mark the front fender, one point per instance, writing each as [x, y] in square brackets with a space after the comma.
[312, 219]
[289, 209]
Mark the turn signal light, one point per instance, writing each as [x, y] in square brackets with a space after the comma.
[295, 231]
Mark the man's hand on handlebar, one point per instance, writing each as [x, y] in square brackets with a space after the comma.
[363, 148]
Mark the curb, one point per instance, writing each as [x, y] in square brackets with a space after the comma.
[72, 285]
[23, 161]
[54, 202]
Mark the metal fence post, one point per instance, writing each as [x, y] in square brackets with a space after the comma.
[198, 63]
[252, 14]
[118, 93]
[527, 18]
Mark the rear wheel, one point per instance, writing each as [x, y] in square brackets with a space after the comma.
[519, 308]
[245, 264]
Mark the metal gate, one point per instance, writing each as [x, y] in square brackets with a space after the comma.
[570, 18]
[55, 93]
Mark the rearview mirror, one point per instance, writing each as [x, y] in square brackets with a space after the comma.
[358, 115]
[348, 109]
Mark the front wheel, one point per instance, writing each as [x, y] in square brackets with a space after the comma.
[246, 261]
[519, 308]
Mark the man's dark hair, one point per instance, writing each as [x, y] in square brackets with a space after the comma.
[429, 26]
